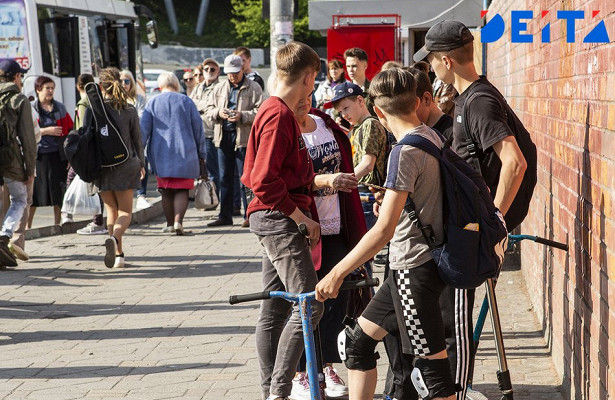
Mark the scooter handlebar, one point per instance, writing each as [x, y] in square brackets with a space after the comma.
[241, 298]
[557, 245]
[347, 285]
[363, 283]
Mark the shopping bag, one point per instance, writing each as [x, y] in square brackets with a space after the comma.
[205, 196]
[77, 201]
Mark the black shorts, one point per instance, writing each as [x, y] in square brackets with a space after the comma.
[408, 305]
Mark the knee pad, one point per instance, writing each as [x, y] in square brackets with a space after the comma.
[356, 348]
[432, 378]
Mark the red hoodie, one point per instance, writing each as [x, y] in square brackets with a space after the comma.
[277, 166]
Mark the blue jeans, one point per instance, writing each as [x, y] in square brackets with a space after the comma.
[211, 158]
[142, 191]
[368, 211]
[18, 192]
[230, 159]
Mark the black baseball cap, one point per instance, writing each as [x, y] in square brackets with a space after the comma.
[343, 90]
[11, 68]
[444, 36]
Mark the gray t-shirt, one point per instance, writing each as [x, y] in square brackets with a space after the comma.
[418, 173]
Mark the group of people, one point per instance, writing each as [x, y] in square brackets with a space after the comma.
[325, 159]
[305, 168]
[212, 123]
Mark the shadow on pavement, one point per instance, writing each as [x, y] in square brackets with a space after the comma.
[27, 310]
[100, 371]
[110, 334]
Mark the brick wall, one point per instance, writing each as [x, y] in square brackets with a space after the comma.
[565, 95]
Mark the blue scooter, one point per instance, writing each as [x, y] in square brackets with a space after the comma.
[313, 363]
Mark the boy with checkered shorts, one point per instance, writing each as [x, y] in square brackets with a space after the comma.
[407, 304]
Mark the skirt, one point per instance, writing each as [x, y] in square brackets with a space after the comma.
[175, 183]
[50, 181]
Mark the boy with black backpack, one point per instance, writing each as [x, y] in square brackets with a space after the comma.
[486, 132]
[407, 304]
[17, 152]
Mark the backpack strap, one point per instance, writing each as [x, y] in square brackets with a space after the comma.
[470, 143]
[430, 148]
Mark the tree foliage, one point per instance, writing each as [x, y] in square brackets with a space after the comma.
[253, 30]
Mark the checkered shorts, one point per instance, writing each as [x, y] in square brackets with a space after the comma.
[407, 305]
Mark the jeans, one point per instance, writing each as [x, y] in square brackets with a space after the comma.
[287, 266]
[142, 191]
[18, 192]
[368, 211]
[211, 158]
[230, 159]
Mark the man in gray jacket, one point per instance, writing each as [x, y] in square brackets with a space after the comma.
[19, 161]
[231, 107]
[200, 94]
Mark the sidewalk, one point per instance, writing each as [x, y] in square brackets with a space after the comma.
[162, 327]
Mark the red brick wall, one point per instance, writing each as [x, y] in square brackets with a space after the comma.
[565, 95]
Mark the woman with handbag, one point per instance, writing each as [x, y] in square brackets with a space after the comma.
[116, 184]
[173, 135]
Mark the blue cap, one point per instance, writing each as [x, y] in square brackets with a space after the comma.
[343, 90]
[11, 68]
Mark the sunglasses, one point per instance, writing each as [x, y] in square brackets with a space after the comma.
[198, 74]
[212, 69]
[126, 81]
[188, 79]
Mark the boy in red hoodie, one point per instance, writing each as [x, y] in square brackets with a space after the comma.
[279, 171]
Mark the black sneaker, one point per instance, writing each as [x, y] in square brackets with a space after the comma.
[7, 258]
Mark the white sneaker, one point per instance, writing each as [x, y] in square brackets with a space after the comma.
[301, 387]
[18, 252]
[142, 203]
[335, 385]
[92, 229]
[119, 262]
[66, 219]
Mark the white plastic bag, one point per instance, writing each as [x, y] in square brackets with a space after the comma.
[205, 196]
[77, 201]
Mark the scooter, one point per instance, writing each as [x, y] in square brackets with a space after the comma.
[490, 304]
[313, 363]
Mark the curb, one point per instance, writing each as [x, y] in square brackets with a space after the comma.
[138, 217]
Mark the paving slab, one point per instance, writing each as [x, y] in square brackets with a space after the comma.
[162, 328]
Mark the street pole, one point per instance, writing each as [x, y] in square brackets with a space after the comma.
[172, 18]
[281, 14]
[200, 22]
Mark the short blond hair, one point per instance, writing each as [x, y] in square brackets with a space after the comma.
[463, 54]
[293, 59]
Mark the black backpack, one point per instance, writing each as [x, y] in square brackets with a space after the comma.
[82, 149]
[474, 234]
[521, 204]
[113, 150]
[9, 145]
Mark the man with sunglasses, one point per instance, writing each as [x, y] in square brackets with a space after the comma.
[200, 95]
[231, 107]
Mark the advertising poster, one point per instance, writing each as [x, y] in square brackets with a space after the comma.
[14, 32]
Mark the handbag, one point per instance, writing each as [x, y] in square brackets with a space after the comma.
[205, 196]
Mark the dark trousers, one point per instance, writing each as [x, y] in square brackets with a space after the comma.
[229, 159]
[211, 158]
